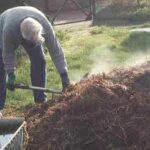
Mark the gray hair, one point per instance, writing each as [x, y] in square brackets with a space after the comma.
[32, 30]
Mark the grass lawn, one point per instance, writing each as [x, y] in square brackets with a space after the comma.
[92, 49]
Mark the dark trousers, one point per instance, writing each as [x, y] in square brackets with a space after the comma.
[2, 82]
[37, 72]
[37, 69]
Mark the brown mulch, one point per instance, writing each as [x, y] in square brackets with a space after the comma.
[101, 112]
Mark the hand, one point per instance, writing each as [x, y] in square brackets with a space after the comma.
[11, 81]
[65, 80]
[65, 85]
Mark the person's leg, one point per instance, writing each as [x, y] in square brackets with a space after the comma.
[2, 82]
[38, 73]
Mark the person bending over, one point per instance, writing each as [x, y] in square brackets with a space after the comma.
[29, 27]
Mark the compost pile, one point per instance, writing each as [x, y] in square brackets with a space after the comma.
[101, 112]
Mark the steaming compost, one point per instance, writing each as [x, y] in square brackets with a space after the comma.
[101, 112]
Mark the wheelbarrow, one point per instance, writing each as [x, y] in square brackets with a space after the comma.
[11, 133]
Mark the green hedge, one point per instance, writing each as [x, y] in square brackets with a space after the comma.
[132, 14]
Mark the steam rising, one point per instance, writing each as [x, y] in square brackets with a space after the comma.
[137, 59]
[105, 61]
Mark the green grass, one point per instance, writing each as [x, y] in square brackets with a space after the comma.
[137, 41]
[87, 49]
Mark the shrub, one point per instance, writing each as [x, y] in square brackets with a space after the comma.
[140, 14]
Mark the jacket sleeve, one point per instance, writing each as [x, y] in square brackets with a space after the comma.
[55, 50]
[8, 52]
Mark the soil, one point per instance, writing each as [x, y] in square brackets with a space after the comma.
[101, 112]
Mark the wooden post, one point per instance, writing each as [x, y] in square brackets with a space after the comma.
[93, 9]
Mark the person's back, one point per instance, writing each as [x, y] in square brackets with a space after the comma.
[10, 25]
[11, 19]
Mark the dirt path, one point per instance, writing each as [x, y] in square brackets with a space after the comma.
[141, 30]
